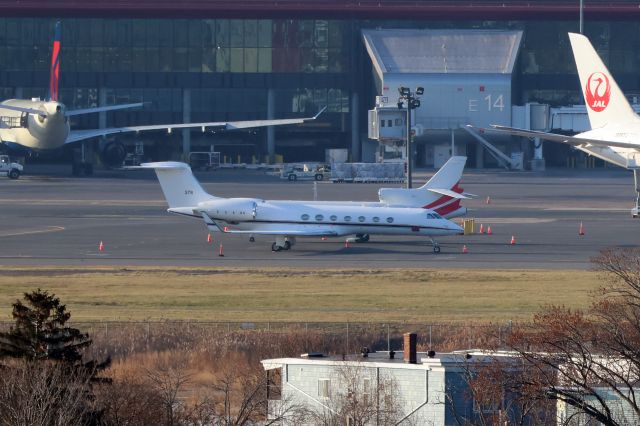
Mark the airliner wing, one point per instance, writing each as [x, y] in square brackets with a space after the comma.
[78, 135]
[103, 109]
[570, 140]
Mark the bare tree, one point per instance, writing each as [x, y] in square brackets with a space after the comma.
[44, 393]
[168, 381]
[358, 397]
[589, 360]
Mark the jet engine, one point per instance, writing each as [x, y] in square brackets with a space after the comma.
[112, 154]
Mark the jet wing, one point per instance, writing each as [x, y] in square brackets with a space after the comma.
[78, 135]
[286, 232]
[570, 140]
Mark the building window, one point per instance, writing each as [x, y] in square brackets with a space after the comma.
[389, 123]
[319, 217]
[382, 123]
[376, 219]
[389, 220]
[333, 218]
[305, 217]
[361, 219]
[323, 388]
[347, 218]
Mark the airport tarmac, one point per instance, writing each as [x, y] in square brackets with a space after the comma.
[55, 219]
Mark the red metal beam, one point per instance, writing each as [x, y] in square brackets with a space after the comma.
[336, 9]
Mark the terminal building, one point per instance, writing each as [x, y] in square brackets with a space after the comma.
[505, 62]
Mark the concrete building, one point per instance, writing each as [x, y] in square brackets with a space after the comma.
[249, 59]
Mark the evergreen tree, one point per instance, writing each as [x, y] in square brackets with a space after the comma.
[41, 333]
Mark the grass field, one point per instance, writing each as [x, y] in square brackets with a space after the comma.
[299, 295]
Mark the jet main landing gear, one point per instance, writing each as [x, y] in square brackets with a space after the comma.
[283, 243]
[635, 212]
[436, 246]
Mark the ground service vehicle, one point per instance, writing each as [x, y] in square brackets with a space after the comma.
[7, 168]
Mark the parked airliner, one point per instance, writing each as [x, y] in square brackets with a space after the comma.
[288, 220]
[42, 125]
[615, 127]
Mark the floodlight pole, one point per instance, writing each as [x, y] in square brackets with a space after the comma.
[581, 16]
[406, 95]
[408, 146]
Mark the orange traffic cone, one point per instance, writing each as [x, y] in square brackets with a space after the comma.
[581, 230]
[346, 243]
[513, 240]
[323, 239]
[489, 232]
[209, 238]
[101, 246]
[465, 249]
[481, 228]
[488, 200]
[221, 252]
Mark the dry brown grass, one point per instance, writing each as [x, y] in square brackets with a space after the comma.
[216, 294]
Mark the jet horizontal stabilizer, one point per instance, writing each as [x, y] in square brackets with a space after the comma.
[452, 194]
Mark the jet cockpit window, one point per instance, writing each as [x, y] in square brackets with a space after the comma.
[319, 217]
[430, 216]
[305, 217]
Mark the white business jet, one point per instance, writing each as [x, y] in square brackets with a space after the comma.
[615, 127]
[43, 125]
[288, 220]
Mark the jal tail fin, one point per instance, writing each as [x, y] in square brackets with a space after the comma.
[179, 185]
[54, 73]
[606, 104]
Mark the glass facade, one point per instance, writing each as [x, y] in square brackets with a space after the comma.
[231, 65]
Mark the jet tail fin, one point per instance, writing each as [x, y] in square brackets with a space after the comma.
[179, 185]
[605, 101]
[54, 74]
[442, 193]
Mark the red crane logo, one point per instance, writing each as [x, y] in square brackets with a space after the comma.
[598, 91]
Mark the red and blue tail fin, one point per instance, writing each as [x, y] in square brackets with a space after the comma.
[54, 77]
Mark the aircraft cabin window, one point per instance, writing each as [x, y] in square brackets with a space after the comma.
[333, 218]
[347, 218]
[361, 219]
[305, 217]
[319, 217]
[376, 219]
[389, 220]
